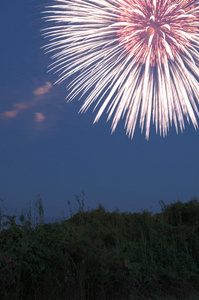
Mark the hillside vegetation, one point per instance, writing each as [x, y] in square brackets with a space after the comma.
[100, 255]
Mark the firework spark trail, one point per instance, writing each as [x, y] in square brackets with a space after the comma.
[134, 58]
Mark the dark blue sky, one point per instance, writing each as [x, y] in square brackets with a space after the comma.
[47, 148]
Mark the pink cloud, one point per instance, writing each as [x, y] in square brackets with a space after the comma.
[43, 89]
[39, 117]
[17, 107]
[9, 114]
[20, 105]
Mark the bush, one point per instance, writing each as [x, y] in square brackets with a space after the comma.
[102, 255]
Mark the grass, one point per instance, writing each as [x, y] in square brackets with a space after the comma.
[191, 297]
[102, 255]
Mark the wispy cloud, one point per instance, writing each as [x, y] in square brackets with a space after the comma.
[9, 114]
[39, 117]
[43, 89]
[18, 107]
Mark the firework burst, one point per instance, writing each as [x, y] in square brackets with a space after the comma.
[137, 59]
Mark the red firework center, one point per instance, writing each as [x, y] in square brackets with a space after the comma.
[154, 29]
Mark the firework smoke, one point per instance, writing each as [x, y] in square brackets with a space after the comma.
[133, 58]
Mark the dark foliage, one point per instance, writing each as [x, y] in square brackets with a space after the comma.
[102, 255]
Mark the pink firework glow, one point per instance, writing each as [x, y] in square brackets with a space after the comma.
[137, 59]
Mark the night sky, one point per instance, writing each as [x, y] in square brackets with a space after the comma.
[48, 149]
